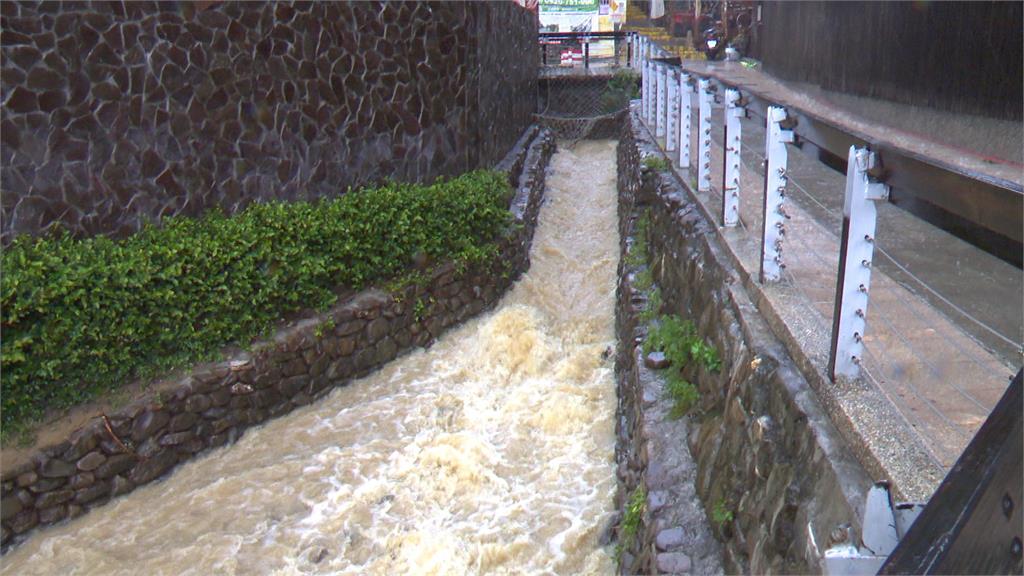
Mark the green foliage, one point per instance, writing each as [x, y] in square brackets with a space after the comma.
[620, 89]
[681, 343]
[720, 512]
[323, 328]
[653, 306]
[419, 309]
[683, 394]
[631, 518]
[656, 163]
[638, 255]
[643, 280]
[83, 316]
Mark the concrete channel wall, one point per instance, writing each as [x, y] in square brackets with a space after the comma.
[213, 405]
[771, 471]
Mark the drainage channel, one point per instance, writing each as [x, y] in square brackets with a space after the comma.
[491, 451]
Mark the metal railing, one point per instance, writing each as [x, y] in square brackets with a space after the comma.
[995, 204]
[609, 48]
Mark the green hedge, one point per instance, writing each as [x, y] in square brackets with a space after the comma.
[85, 315]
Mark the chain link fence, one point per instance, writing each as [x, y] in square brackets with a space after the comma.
[579, 106]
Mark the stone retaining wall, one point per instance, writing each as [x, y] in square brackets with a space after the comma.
[765, 451]
[214, 405]
[119, 113]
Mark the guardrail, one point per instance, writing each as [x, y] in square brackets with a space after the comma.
[584, 40]
[873, 168]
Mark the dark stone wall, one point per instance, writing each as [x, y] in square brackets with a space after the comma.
[959, 56]
[213, 405]
[115, 113]
[765, 449]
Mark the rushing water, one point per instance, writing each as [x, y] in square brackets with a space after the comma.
[490, 452]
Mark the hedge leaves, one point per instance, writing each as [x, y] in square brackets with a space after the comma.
[85, 315]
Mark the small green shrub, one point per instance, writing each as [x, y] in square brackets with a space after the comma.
[653, 306]
[683, 394]
[324, 327]
[638, 254]
[656, 163]
[419, 309]
[631, 519]
[82, 316]
[643, 280]
[681, 343]
[720, 512]
[620, 89]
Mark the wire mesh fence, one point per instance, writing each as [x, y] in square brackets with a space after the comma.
[577, 107]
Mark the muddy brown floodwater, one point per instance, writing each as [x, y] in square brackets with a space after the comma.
[492, 452]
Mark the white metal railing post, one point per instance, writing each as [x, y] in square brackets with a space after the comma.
[645, 88]
[653, 123]
[651, 90]
[731, 165]
[855, 251]
[775, 179]
[704, 135]
[651, 83]
[672, 103]
[684, 121]
[659, 127]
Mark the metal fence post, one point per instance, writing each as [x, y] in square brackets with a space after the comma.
[731, 168]
[855, 251]
[704, 135]
[672, 103]
[776, 158]
[645, 89]
[684, 121]
[629, 52]
[659, 126]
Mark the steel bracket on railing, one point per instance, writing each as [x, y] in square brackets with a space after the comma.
[659, 122]
[775, 179]
[684, 120]
[855, 252]
[731, 170]
[672, 103]
[704, 97]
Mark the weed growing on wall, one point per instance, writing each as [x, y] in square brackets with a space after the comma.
[638, 252]
[684, 395]
[656, 163]
[681, 343]
[652, 307]
[621, 88]
[720, 512]
[82, 316]
[631, 519]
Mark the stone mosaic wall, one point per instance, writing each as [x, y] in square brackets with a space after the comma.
[115, 113]
[213, 405]
[772, 473]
